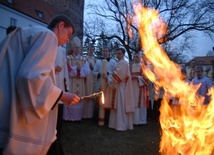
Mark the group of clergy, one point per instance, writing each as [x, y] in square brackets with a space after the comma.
[123, 84]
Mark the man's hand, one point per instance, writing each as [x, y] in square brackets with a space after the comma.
[58, 69]
[69, 98]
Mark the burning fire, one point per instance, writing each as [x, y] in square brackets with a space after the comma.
[187, 127]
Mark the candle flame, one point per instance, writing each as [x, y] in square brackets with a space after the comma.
[102, 98]
[186, 127]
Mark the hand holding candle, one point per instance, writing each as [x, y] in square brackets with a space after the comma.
[69, 98]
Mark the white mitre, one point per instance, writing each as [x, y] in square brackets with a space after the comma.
[75, 42]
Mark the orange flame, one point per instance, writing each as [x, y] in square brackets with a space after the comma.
[187, 127]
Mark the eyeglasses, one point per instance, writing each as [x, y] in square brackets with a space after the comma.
[70, 33]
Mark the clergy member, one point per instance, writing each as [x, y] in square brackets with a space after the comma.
[122, 98]
[62, 79]
[89, 104]
[28, 92]
[140, 89]
[106, 63]
[78, 68]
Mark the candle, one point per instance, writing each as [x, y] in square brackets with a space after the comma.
[104, 71]
[103, 87]
[102, 99]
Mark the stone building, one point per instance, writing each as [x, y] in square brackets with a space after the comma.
[72, 8]
[22, 13]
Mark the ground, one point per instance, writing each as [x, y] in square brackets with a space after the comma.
[88, 138]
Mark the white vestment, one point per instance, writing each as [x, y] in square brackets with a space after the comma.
[89, 104]
[100, 67]
[205, 85]
[140, 94]
[61, 76]
[122, 98]
[28, 92]
[98, 70]
[77, 86]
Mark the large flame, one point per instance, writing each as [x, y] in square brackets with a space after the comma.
[187, 127]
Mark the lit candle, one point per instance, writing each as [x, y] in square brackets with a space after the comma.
[102, 99]
[103, 87]
[104, 71]
[101, 111]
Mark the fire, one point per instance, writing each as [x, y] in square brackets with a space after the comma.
[186, 127]
[102, 98]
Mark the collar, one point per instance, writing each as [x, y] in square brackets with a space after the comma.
[108, 59]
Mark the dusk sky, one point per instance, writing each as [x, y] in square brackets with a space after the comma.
[202, 46]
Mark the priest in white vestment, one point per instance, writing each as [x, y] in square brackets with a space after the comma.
[28, 95]
[101, 80]
[140, 89]
[89, 104]
[122, 98]
[111, 63]
[205, 84]
[78, 68]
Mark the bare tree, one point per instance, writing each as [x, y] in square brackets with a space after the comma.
[114, 20]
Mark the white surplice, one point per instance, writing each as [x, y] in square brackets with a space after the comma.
[121, 101]
[77, 86]
[140, 94]
[98, 69]
[205, 85]
[28, 92]
[61, 61]
[89, 104]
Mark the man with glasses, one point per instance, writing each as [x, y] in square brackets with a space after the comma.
[28, 95]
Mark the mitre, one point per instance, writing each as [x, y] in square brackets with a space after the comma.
[75, 42]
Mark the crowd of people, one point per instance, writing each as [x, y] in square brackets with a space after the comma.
[43, 85]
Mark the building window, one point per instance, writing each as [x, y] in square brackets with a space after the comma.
[200, 62]
[39, 14]
[10, 1]
[13, 21]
